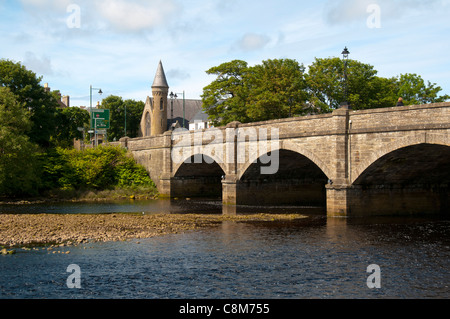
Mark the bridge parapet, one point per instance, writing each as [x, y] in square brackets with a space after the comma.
[401, 118]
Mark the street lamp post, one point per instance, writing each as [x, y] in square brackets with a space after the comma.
[172, 97]
[125, 120]
[345, 54]
[175, 96]
[99, 92]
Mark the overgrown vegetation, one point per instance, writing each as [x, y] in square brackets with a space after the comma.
[37, 158]
[102, 168]
[104, 172]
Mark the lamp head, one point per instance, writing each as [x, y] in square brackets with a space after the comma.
[345, 53]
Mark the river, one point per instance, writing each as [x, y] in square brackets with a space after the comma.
[317, 257]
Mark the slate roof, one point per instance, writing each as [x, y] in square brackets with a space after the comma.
[192, 108]
[201, 116]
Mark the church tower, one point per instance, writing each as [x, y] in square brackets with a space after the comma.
[160, 91]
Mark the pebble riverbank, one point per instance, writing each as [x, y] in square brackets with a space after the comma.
[46, 229]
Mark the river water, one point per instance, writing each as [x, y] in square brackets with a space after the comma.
[317, 257]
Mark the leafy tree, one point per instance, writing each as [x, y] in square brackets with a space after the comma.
[117, 107]
[224, 99]
[274, 89]
[135, 110]
[382, 92]
[25, 85]
[68, 120]
[277, 89]
[325, 81]
[18, 172]
[413, 90]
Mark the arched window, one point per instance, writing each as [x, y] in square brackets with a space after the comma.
[147, 124]
[161, 105]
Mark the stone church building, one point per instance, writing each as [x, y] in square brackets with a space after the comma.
[163, 113]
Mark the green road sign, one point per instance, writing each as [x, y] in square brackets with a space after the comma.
[100, 119]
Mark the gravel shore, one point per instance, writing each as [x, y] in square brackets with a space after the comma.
[46, 229]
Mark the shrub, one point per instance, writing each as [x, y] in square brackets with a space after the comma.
[101, 168]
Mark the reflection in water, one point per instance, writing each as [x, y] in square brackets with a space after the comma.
[151, 207]
[316, 257]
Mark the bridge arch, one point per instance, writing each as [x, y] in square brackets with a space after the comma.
[437, 139]
[412, 179]
[297, 180]
[197, 176]
[296, 148]
[198, 158]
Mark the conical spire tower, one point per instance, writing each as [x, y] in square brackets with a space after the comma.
[160, 90]
[160, 78]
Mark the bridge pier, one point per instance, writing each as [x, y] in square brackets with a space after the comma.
[229, 191]
[338, 200]
[165, 186]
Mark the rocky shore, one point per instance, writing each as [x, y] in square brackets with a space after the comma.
[46, 229]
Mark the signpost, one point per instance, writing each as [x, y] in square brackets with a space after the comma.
[100, 119]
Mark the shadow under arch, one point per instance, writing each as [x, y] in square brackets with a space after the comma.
[198, 176]
[409, 180]
[298, 181]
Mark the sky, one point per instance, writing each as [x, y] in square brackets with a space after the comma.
[116, 45]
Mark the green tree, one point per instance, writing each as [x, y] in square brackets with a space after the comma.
[277, 89]
[25, 85]
[413, 90]
[135, 110]
[117, 107]
[68, 120]
[325, 81]
[224, 100]
[271, 90]
[18, 172]
[382, 92]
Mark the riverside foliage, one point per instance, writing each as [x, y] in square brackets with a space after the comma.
[69, 171]
[36, 141]
[102, 168]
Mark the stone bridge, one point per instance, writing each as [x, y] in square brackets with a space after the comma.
[378, 161]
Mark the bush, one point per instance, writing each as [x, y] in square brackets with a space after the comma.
[101, 168]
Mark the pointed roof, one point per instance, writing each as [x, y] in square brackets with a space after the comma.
[160, 78]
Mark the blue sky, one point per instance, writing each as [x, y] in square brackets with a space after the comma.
[116, 45]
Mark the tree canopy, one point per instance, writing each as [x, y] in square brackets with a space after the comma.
[26, 87]
[274, 89]
[283, 88]
[17, 167]
[117, 106]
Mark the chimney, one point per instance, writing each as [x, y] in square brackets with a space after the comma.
[66, 100]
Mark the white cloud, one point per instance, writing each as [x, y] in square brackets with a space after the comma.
[116, 15]
[135, 15]
[253, 41]
[38, 65]
[348, 11]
